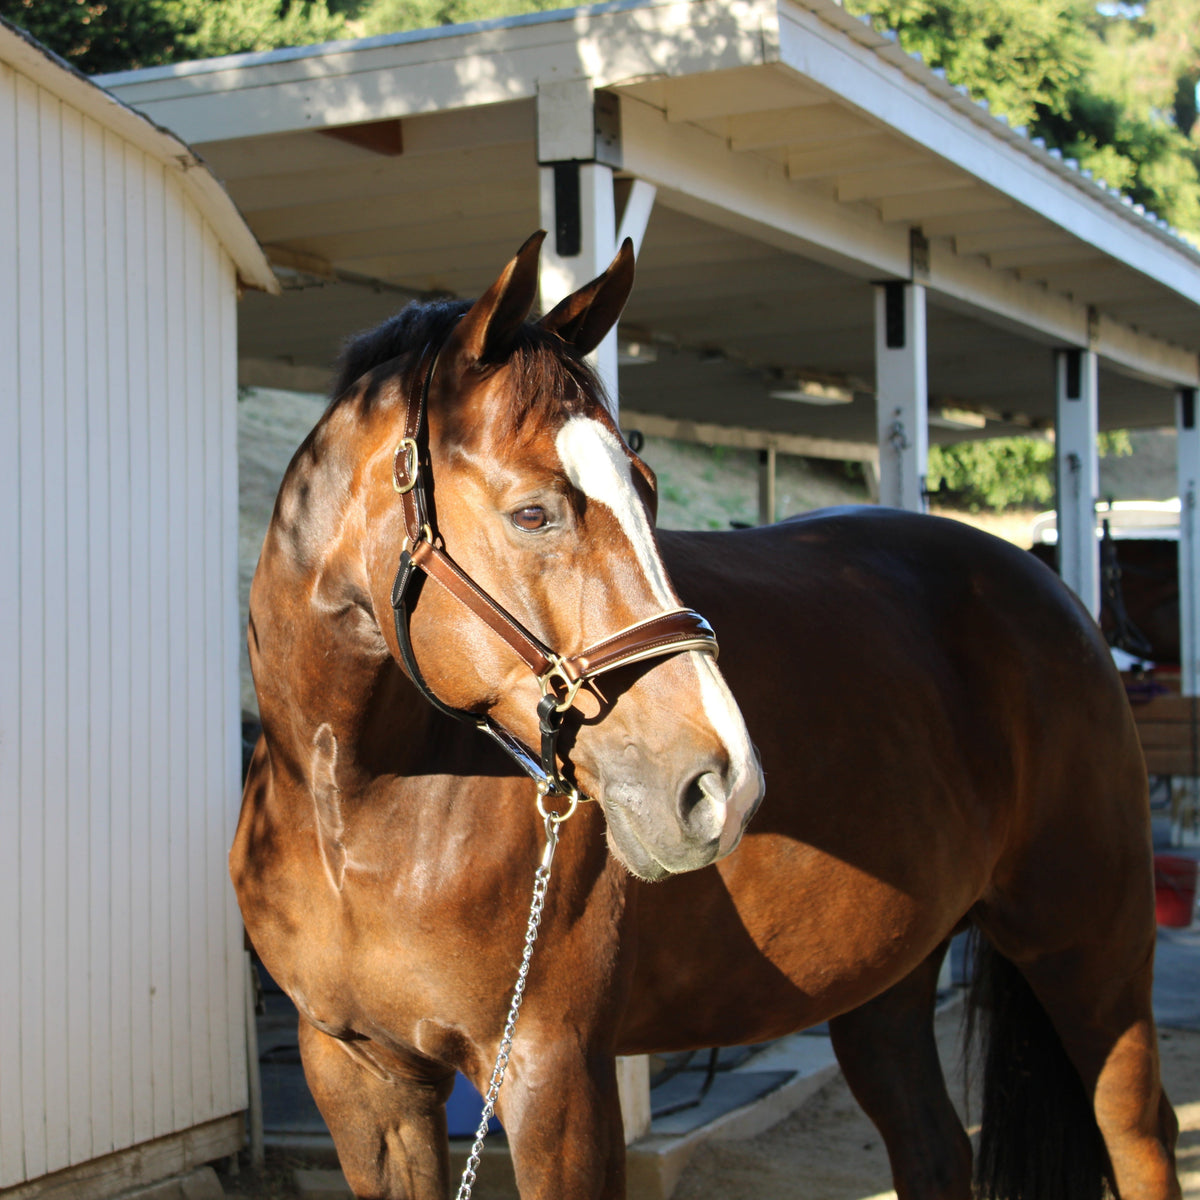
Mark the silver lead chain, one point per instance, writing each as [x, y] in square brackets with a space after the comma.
[541, 880]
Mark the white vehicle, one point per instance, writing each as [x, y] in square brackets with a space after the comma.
[1126, 519]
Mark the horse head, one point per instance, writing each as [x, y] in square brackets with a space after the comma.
[540, 519]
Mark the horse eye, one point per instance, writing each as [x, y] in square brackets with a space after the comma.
[530, 518]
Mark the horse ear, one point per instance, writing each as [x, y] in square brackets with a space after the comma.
[585, 316]
[490, 324]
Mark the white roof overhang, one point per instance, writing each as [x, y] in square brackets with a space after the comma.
[62, 80]
[799, 156]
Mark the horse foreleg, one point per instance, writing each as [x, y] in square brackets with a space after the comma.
[387, 1116]
[561, 1111]
[887, 1052]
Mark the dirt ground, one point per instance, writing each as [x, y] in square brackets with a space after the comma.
[827, 1150]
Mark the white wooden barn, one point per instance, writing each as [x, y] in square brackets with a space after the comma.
[122, 1035]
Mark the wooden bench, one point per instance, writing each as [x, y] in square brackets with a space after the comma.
[1169, 729]
[1169, 733]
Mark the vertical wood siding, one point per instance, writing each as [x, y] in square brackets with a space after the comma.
[120, 991]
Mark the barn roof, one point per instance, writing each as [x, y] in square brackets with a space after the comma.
[799, 156]
[61, 79]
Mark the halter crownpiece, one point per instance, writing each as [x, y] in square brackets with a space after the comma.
[559, 677]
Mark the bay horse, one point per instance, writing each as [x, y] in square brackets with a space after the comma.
[946, 742]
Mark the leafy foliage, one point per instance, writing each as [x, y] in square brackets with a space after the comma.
[1004, 472]
[389, 16]
[117, 35]
[998, 473]
[1112, 86]
[1022, 56]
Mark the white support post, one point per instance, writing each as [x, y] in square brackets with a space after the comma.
[636, 214]
[577, 208]
[1076, 435]
[901, 394]
[1189, 540]
[576, 198]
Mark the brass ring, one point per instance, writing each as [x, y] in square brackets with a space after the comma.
[558, 818]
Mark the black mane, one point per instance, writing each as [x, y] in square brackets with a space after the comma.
[544, 364]
[414, 326]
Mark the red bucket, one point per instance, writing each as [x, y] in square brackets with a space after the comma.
[1174, 889]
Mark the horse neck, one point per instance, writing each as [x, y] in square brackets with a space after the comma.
[320, 660]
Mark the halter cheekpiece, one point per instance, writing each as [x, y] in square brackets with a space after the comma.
[559, 676]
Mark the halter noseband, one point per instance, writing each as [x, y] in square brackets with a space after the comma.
[670, 632]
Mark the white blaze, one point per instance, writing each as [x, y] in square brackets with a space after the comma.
[597, 464]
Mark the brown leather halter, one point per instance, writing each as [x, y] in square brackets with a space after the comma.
[667, 633]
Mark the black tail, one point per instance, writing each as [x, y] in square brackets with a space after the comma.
[1039, 1138]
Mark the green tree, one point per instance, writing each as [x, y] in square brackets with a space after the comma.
[117, 35]
[996, 473]
[1021, 56]
[1113, 87]
[393, 16]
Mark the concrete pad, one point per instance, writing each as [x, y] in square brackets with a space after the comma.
[653, 1164]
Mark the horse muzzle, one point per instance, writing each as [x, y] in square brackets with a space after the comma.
[658, 829]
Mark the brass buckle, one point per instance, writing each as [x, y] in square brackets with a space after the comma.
[409, 448]
[558, 670]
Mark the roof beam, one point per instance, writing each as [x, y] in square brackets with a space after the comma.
[416, 238]
[848, 154]
[914, 209]
[1048, 317]
[732, 252]
[429, 264]
[683, 430]
[717, 94]
[1092, 282]
[810, 125]
[955, 224]
[352, 213]
[437, 136]
[779, 284]
[899, 181]
[696, 173]
[1020, 237]
[1056, 252]
[406, 179]
[794, 315]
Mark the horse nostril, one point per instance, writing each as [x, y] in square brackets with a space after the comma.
[700, 797]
